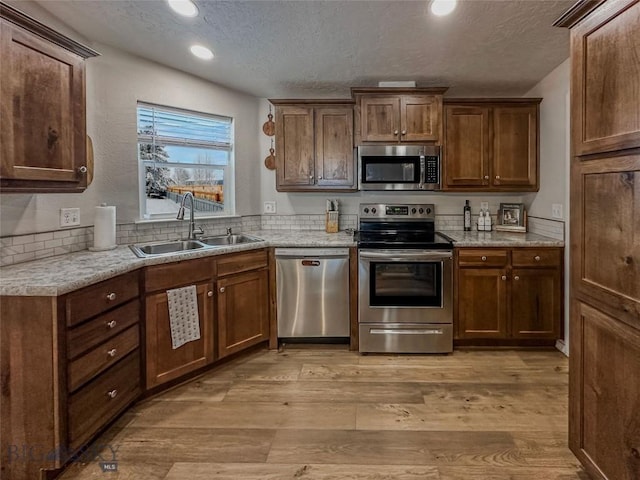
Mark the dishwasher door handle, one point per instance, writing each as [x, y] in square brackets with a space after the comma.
[310, 263]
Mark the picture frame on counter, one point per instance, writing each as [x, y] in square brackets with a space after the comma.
[512, 217]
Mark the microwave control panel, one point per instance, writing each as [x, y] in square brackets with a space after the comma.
[431, 174]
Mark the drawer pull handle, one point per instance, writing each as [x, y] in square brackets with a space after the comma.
[504, 277]
[484, 258]
[537, 258]
[112, 324]
[111, 296]
[210, 293]
[112, 352]
[221, 289]
[112, 393]
[517, 277]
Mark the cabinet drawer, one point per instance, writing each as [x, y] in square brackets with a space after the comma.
[536, 257]
[91, 301]
[102, 399]
[87, 366]
[483, 258]
[242, 262]
[94, 332]
[172, 275]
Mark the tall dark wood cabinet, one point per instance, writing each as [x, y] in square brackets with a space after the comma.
[42, 88]
[604, 395]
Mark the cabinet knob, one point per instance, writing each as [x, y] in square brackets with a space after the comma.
[111, 296]
[221, 289]
[311, 177]
[112, 352]
[504, 277]
[497, 177]
[484, 258]
[82, 169]
[486, 177]
[320, 177]
[112, 324]
[210, 293]
[517, 277]
[404, 132]
[112, 393]
[537, 258]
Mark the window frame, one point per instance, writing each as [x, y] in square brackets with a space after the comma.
[228, 169]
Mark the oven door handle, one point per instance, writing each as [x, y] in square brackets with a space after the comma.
[404, 255]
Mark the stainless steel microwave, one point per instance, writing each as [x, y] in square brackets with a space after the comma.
[399, 167]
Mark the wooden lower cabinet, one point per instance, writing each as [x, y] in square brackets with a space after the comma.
[165, 363]
[519, 300]
[243, 311]
[482, 300]
[536, 303]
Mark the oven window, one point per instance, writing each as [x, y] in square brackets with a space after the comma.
[382, 170]
[406, 284]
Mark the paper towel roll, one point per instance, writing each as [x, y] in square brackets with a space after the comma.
[104, 228]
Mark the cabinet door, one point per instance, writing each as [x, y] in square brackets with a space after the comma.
[335, 162]
[43, 144]
[604, 427]
[294, 148]
[482, 303]
[605, 90]
[515, 147]
[163, 362]
[536, 306]
[243, 311]
[380, 118]
[466, 146]
[420, 118]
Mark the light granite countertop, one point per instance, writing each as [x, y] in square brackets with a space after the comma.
[62, 274]
[500, 239]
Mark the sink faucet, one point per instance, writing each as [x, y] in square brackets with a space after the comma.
[192, 224]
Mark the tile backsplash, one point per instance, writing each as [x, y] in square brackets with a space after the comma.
[23, 248]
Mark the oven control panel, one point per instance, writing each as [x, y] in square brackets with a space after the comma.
[418, 211]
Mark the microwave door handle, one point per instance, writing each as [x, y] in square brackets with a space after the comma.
[423, 167]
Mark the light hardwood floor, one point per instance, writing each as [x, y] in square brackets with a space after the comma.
[325, 413]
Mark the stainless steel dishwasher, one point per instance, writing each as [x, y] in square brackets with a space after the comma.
[313, 292]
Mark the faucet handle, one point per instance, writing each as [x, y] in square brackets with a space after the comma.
[229, 232]
[199, 230]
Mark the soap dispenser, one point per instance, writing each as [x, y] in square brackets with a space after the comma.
[487, 222]
[481, 221]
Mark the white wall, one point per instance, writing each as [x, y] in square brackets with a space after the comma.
[115, 82]
[308, 203]
[555, 160]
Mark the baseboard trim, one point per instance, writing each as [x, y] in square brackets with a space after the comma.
[563, 347]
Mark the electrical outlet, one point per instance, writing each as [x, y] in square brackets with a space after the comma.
[556, 210]
[69, 217]
[269, 207]
[484, 205]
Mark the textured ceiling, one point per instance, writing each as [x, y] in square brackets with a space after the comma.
[280, 49]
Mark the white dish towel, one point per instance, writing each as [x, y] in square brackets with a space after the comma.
[183, 315]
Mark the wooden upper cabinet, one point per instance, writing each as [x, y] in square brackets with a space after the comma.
[605, 91]
[294, 146]
[42, 88]
[334, 147]
[466, 146]
[314, 146]
[394, 115]
[491, 145]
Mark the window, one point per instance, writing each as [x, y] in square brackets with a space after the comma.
[181, 151]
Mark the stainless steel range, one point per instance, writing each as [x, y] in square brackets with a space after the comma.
[405, 280]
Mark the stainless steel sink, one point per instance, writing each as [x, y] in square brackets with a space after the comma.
[153, 249]
[163, 248]
[233, 239]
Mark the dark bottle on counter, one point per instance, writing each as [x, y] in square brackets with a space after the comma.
[467, 216]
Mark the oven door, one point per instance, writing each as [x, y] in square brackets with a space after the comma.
[405, 286]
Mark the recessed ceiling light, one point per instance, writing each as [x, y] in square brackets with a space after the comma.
[201, 52]
[184, 7]
[441, 8]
